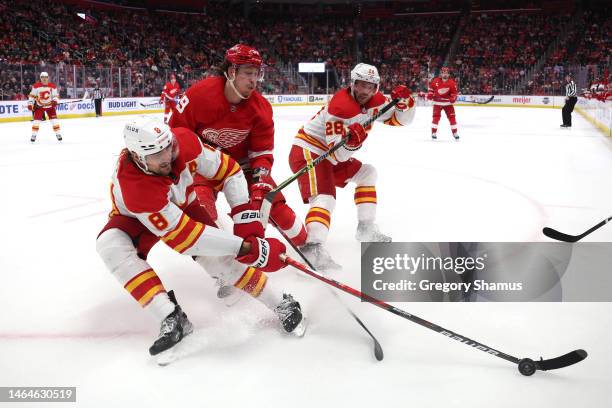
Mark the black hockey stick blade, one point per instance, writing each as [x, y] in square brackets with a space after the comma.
[528, 367]
[565, 360]
[378, 351]
[560, 236]
[486, 101]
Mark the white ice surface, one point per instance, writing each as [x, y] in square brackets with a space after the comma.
[64, 321]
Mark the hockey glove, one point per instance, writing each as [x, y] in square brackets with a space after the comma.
[54, 103]
[264, 254]
[246, 221]
[401, 92]
[30, 107]
[262, 184]
[357, 135]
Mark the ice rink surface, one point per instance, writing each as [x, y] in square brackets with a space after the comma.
[65, 321]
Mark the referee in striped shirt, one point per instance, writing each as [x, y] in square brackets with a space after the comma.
[570, 102]
[97, 97]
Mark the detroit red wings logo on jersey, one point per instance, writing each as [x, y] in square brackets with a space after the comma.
[225, 137]
[442, 91]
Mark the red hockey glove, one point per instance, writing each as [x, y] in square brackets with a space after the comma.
[30, 107]
[54, 103]
[357, 135]
[262, 184]
[264, 254]
[246, 221]
[403, 93]
[400, 91]
[453, 99]
[430, 96]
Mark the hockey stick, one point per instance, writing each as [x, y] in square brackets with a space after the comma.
[378, 351]
[146, 105]
[78, 100]
[526, 366]
[482, 101]
[266, 205]
[560, 236]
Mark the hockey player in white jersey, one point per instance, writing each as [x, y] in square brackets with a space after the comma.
[346, 110]
[153, 199]
[43, 99]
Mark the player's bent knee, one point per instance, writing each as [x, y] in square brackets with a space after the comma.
[116, 249]
[323, 201]
[366, 176]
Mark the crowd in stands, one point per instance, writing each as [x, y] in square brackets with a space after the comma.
[587, 47]
[406, 49]
[495, 51]
[135, 50]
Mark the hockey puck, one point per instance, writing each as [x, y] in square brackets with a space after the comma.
[527, 366]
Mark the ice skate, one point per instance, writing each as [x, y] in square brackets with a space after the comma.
[59, 137]
[434, 136]
[228, 293]
[290, 315]
[456, 136]
[369, 232]
[173, 328]
[318, 256]
[33, 138]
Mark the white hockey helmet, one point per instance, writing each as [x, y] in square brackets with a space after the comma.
[365, 72]
[146, 136]
[44, 75]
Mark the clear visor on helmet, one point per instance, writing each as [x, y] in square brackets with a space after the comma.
[165, 156]
[251, 72]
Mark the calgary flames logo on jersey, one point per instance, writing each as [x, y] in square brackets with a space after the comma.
[225, 137]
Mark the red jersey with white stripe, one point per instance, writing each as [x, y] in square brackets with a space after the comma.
[43, 95]
[171, 92]
[444, 93]
[158, 201]
[245, 131]
[326, 128]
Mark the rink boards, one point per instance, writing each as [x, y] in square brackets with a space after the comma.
[598, 113]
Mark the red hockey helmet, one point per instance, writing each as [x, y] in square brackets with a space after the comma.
[241, 54]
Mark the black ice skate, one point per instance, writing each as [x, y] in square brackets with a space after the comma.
[173, 328]
[33, 138]
[456, 136]
[434, 136]
[59, 137]
[290, 315]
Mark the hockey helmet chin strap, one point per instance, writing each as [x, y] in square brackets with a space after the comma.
[231, 84]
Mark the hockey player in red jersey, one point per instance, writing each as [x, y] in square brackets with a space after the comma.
[228, 113]
[169, 96]
[42, 100]
[347, 109]
[443, 92]
[153, 200]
